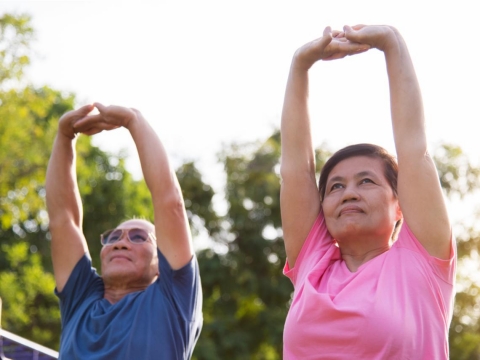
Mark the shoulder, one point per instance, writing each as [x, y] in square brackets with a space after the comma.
[443, 268]
[317, 253]
[81, 277]
[185, 280]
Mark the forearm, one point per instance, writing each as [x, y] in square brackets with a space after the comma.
[405, 99]
[171, 222]
[157, 171]
[419, 189]
[299, 198]
[62, 194]
[297, 149]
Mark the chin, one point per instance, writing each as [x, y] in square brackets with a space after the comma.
[119, 272]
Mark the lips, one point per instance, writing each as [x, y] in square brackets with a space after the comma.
[350, 209]
[121, 257]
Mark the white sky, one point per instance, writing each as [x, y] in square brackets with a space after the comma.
[206, 73]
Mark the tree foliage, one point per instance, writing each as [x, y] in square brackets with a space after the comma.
[246, 295]
[16, 35]
[31, 308]
[461, 179]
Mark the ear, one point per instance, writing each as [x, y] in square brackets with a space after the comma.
[398, 212]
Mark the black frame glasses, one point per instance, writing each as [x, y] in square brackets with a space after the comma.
[134, 235]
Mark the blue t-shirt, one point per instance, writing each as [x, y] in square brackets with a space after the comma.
[161, 322]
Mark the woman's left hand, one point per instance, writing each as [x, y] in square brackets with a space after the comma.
[375, 36]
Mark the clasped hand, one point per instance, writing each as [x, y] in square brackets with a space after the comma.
[108, 118]
[337, 44]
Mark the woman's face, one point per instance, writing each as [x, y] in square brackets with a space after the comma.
[359, 201]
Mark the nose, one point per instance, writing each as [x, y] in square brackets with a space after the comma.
[123, 242]
[350, 194]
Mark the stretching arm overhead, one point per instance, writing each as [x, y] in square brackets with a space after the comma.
[420, 195]
[63, 200]
[299, 197]
[171, 222]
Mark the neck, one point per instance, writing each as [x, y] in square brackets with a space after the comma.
[117, 290]
[354, 259]
[114, 295]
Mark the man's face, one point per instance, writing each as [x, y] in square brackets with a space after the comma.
[130, 265]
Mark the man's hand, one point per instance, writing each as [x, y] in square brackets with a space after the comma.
[66, 124]
[109, 118]
[332, 45]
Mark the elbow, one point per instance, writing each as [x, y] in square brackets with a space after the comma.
[59, 223]
[295, 171]
[172, 201]
[412, 148]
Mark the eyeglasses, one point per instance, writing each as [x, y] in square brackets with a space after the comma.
[134, 235]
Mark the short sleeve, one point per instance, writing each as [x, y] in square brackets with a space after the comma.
[444, 269]
[182, 285]
[83, 283]
[319, 246]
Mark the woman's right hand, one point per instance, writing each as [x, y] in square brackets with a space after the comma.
[332, 45]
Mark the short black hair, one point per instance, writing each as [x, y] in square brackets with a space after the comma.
[369, 150]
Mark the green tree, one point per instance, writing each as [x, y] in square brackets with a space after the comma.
[16, 35]
[198, 200]
[246, 297]
[31, 308]
[460, 179]
[26, 130]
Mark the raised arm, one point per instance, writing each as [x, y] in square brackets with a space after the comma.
[420, 195]
[299, 197]
[171, 222]
[63, 200]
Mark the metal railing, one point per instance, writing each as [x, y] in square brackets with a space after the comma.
[18, 348]
[14, 347]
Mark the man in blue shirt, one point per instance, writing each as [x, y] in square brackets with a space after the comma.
[148, 302]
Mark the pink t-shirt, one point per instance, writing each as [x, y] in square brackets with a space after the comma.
[396, 306]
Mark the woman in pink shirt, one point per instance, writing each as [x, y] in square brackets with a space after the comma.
[369, 250]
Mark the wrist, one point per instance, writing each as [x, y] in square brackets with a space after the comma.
[131, 119]
[300, 62]
[64, 141]
[389, 39]
[134, 119]
[67, 136]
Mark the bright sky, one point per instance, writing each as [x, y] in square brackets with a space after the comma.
[206, 73]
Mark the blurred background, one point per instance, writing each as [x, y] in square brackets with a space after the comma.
[210, 77]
